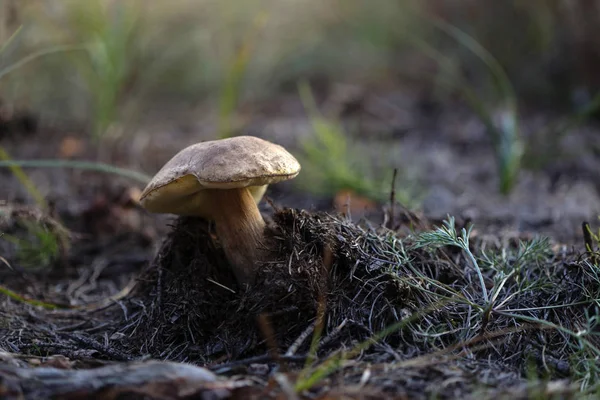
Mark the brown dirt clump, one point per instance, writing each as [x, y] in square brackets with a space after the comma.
[193, 310]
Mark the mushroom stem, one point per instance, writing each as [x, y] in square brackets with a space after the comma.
[240, 228]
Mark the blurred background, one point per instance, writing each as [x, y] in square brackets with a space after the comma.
[481, 108]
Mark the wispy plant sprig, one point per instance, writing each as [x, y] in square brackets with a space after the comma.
[447, 235]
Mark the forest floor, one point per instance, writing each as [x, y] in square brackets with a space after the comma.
[361, 298]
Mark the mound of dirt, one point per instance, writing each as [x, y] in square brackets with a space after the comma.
[193, 306]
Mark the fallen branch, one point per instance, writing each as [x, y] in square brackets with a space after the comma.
[151, 379]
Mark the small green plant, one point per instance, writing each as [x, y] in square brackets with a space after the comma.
[43, 243]
[330, 164]
[592, 242]
[233, 81]
[509, 271]
[502, 126]
[40, 246]
[447, 235]
[23, 179]
[108, 33]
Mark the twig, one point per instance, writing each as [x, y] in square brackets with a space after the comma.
[298, 342]
[94, 345]
[322, 304]
[286, 386]
[106, 302]
[333, 334]
[393, 200]
[270, 202]
[219, 368]
[269, 335]
[220, 285]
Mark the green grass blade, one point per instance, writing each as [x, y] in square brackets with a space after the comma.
[38, 54]
[233, 81]
[502, 81]
[83, 165]
[11, 39]
[32, 302]
[23, 179]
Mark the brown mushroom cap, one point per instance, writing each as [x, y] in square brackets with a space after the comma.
[242, 161]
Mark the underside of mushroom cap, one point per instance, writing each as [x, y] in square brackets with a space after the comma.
[238, 162]
[186, 196]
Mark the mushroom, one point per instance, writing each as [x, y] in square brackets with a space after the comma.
[223, 181]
